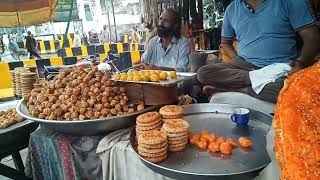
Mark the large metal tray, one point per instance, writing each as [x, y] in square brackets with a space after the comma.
[181, 76]
[16, 132]
[84, 127]
[194, 164]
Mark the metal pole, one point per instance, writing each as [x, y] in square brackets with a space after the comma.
[108, 16]
[67, 29]
[114, 21]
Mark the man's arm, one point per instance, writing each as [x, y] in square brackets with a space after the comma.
[311, 46]
[228, 33]
[184, 57]
[227, 46]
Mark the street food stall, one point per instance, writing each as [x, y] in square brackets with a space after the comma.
[113, 138]
[97, 121]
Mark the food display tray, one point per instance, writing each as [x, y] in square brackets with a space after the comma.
[15, 132]
[194, 164]
[181, 76]
[84, 127]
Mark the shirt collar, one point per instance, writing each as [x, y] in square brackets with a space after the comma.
[173, 40]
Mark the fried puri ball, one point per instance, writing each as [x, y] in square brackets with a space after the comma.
[202, 144]
[233, 142]
[154, 78]
[226, 148]
[163, 76]
[214, 147]
[194, 139]
[220, 140]
[245, 142]
[208, 137]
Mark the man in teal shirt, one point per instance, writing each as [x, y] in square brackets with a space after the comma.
[266, 34]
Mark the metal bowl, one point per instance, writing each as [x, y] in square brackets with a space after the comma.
[195, 164]
[84, 127]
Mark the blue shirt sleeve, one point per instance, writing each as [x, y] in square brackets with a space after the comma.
[227, 29]
[147, 55]
[184, 57]
[300, 14]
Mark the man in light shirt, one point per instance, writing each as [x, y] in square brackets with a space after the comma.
[168, 50]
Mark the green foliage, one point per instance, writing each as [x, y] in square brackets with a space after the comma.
[214, 11]
[65, 5]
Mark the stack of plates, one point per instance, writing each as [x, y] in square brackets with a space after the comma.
[13, 80]
[27, 79]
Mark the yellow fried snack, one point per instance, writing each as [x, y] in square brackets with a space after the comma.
[163, 76]
[145, 78]
[137, 78]
[154, 78]
[153, 72]
[130, 78]
[117, 77]
[141, 73]
[123, 77]
[135, 73]
[147, 73]
[129, 74]
[173, 74]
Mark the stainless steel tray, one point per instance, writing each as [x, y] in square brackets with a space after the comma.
[194, 164]
[16, 132]
[180, 77]
[84, 127]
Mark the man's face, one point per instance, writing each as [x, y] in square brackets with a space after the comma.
[165, 27]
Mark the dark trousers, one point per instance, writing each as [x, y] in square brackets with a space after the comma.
[234, 76]
[34, 53]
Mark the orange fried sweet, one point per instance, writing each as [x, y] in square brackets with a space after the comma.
[202, 144]
[232, 142]
[214, 147]
[220, 140]
[212, 138]
[226, 148]
[297, 126]
[245, 142]
[195, 139]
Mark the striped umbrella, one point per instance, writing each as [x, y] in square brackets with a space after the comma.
[15, 13]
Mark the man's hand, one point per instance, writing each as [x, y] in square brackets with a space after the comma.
[296, 66]
[144, 66]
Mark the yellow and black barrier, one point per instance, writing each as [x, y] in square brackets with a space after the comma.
[77, 51]
[47, 47]
[44, 47]
[69, 41]
[100, 49]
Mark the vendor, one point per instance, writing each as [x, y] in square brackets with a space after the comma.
[168, 49]
[266, 34]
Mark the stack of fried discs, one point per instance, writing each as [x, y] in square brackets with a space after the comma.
[13, 80]
[27, 79]
[149, 121]
[18, 82]
[32, 68]
[171, 112]
[153, 146]
[177, 132]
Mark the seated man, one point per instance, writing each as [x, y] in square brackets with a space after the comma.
[168, 50]
[266, 34]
